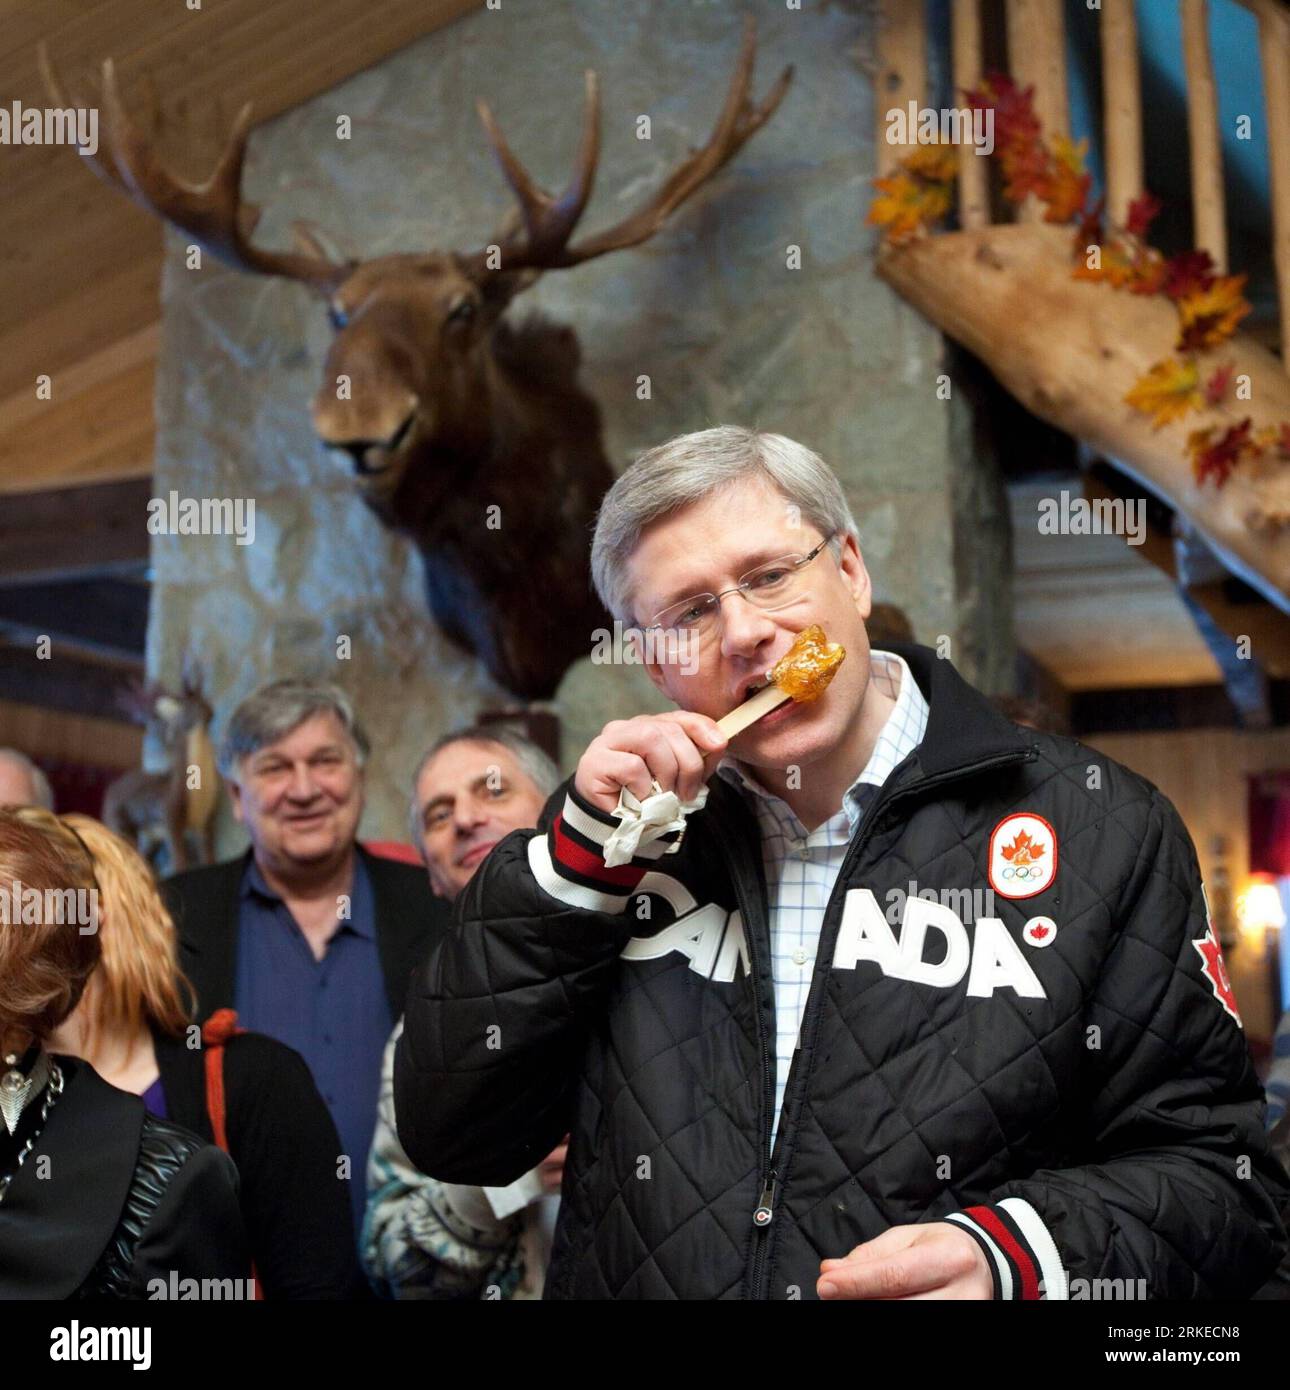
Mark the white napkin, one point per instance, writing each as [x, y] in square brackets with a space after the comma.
[642, 822]
[506, 1201]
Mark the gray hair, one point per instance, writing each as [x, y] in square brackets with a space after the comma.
[42, 792]
[689, 468]
[278, 709]
[534, 763]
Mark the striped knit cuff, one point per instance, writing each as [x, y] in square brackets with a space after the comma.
[1023, 1258]
[568, 861]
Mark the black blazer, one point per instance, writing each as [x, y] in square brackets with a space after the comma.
[284, 1142]
[205, 902]
[126, 1199]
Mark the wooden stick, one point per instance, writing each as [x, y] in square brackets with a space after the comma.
[1209, 216]
[902, 73]
[1274, 49]
[974, 174]
[1121, 107]
[752, 710]
[1037, 56]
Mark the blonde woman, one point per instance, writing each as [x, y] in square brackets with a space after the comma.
[98, 1199]
[133, 1024]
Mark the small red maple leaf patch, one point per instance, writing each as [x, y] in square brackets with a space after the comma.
[1039, 932]
[1212, 967]
[1023, 850]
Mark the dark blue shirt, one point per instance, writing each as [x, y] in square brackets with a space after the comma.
[333, 1011]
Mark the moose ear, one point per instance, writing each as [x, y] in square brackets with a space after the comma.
[499, 287]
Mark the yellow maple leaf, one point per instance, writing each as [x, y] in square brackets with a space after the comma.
[1169, 390]
[906, 205]
[1209, 317]
[940, 163]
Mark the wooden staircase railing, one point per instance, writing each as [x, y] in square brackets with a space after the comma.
[1068, 349]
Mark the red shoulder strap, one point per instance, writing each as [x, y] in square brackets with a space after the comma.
[216, 1031]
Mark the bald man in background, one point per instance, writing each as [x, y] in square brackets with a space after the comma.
[425, 1239]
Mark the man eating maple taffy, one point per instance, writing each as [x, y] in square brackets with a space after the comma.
[883, 996]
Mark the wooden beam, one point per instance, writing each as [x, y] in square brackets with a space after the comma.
[1037, 57]
[74, 532]
[1069, 351]
[98, 617]
[1209, 212]
[1122, 107]
[902, 73]
[65, 682]
[974, 174]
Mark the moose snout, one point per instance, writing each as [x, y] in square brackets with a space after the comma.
[370, 447]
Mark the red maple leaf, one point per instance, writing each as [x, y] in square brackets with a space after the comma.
[1215, 458]
[1039, 932]
[1187, 273]
[1216, 387]
[1214, 970]
[1143, 211]
[1023, 847]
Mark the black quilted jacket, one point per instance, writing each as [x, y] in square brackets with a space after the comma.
[1061, 1072]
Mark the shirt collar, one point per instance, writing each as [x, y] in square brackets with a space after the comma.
[900, 734]
[360, 895]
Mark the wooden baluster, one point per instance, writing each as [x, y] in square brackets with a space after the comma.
[1037, 56]
[1274, 50]
[1121, 107]
[974, 174]
[1209, 218]
[902, 72]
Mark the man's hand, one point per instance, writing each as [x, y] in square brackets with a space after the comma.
[937, 1260]
[551, 1169]
[679, 750]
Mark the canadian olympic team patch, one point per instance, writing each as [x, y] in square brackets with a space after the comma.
[1023, 855]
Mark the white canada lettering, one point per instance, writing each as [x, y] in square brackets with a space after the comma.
[713, 942]
[991, 961]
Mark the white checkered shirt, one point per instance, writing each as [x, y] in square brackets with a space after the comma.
[801, 868]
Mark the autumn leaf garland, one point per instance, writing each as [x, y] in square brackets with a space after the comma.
[919, 194]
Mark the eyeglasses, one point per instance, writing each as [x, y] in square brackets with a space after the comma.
[772, 585]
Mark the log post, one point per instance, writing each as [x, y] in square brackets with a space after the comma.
[1209, 217]
[974, 174]
[1121, 107]
[902, 73]
[1274, 50]
[1037, 56]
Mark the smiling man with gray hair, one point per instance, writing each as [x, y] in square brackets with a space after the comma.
[774, 1092]
[307, 935]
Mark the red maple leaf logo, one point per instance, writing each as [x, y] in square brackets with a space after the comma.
[1023, 850]
[1039, 932]
[1212, 967]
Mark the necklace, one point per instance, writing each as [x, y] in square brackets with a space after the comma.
[52, 1091]
[25, 1077]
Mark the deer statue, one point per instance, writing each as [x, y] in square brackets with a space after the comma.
[152, 809]
[465, 432]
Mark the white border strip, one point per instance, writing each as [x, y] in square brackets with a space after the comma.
[571, 894]
[1055, 1279]
[1000, 1260]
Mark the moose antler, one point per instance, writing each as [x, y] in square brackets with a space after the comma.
[540, 241]
[212, 212]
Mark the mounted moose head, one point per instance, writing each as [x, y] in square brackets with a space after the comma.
[442, 410]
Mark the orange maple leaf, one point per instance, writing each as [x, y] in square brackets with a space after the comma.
[1169, 390]
[1065, 189]
[1210, 316]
